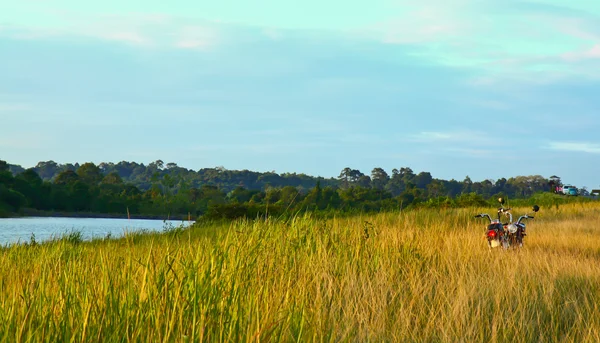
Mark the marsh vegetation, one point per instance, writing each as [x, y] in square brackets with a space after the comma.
[423, 275]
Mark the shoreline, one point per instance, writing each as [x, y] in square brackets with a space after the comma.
[52, 214]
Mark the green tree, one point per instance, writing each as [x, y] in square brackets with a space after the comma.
[289, 196]
[467, 185]
[80, 196]
[47, 170]
[422, 179]
[379, 178]
[90, 174]
[112, 178]
[30, 184]
[345, 177]
[395, 185]
[241, 195]
[364, 181]
[11, 200]
[436, 189]
[66, 177]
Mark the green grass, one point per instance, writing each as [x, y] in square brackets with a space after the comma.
[416, 276]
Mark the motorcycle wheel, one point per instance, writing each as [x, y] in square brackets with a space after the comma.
[519, 239]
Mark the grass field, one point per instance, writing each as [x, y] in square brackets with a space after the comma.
[417, 276]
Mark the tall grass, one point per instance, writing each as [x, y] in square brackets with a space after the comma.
[416, 276]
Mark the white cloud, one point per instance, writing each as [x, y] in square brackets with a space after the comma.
[502, 43]
[479, 153]
[593, 53]
[433, 136]
[451, 136]
[273, 34]
[259, 148]
[460, 143]
[126, 37]
[586, 147]
[141, 30]
[577, 28]
[429, 21]
[14, 141]
[196, 37]
[14, 107]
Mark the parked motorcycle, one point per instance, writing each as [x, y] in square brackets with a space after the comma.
[508, 234]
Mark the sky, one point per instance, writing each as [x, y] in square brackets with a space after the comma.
[479, 88]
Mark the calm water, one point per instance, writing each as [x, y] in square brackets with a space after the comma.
[13, 230]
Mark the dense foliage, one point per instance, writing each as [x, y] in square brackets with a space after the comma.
[169, 190]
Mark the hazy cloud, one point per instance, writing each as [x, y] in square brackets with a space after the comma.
[593, 53]
[586, 147]
[14, 107]
[141, 30]
[451, 136]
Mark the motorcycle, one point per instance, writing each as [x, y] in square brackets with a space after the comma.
[508, 234]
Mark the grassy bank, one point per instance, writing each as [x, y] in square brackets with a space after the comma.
[423, 275]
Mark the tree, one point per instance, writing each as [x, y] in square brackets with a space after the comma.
[395, 185]
[379, 178]
[46, 170]
[32, 187]
[240, 195]
[289, 196]
[527, 185]
[554, 182]
[90, 174]
[467, 185]
[499, 186]
[406, 174]
[11, 199]
[345, 176]
[423, 179]
[272, 195]
[484, 188]
[66, 177]
[435, 189]
[364, 181]
[313, 199]
[80, 197]
[3, 166]
[356, 175]
[112, 178]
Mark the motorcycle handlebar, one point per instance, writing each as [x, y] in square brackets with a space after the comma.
[484, 215]
[524, 217]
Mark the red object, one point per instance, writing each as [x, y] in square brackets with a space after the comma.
[491, 234]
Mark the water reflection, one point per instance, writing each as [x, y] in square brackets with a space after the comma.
[14, 230]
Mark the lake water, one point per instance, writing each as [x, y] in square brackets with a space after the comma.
[13, 230]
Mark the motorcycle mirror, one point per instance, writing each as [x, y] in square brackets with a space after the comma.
[536, 208]
[501, 201]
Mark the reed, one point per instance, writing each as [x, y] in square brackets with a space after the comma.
[416, 276]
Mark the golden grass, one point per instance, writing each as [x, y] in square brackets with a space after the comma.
[417, 276]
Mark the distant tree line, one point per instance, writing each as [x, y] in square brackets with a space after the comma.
[160, 189]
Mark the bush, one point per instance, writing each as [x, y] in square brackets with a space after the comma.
[470, 200]
[235, 211]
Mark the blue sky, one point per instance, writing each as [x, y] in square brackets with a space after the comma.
[487, 89]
